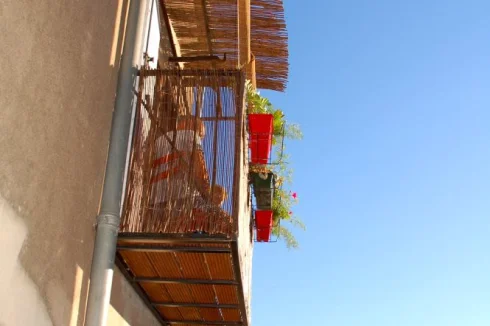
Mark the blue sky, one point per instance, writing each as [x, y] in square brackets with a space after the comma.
[394, 172]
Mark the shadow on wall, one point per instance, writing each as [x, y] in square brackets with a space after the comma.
[21, 301]
[17, 289]
[58, 85]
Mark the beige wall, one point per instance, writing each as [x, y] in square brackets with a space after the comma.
[245, 236]
[57, 86]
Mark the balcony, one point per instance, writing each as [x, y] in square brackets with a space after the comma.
[186, 237]
[185, 241]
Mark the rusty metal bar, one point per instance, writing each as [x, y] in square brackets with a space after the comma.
[219, 119]
[163, 280]
[202, 322]
[192, 72]
[195, 305]
[145, 248]
[171, 238]
[198, 58]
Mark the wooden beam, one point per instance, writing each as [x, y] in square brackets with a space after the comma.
[150, 248]
[203, 322]
[250, 69]
[195, 305]
[244, 52]
[246, 59]
[162, 280]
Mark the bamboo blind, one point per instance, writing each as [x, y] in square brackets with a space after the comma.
[173, 192]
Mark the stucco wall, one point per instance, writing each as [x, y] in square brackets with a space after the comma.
[245, 236]
[57, 87]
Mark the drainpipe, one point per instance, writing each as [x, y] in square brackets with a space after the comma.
[109, 216]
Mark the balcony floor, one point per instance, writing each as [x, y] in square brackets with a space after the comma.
[185, 280]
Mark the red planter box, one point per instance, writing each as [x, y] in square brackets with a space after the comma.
[261, 129]
[263, 224]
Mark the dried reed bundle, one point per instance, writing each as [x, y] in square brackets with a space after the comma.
[209, 27]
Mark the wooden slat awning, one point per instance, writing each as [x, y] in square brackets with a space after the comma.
[210, 27]
[185, 281]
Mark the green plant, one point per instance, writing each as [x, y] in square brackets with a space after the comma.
[282, 212]
[255, 102]
[261, 105]
[283, 200]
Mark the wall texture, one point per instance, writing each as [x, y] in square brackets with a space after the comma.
[56, 97]
[245, 232]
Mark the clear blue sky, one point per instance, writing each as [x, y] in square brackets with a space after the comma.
[394, 172]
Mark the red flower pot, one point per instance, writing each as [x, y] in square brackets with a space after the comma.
[261, 129]
[263, 224]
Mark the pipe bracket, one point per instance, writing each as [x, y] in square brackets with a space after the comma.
[109, 220]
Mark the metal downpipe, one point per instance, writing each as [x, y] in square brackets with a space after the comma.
[109, 216]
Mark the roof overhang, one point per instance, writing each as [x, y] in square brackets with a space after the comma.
[252, 33]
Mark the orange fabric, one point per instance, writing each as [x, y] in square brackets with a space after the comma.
[164, 175]
[162, 160]
[166, 159]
